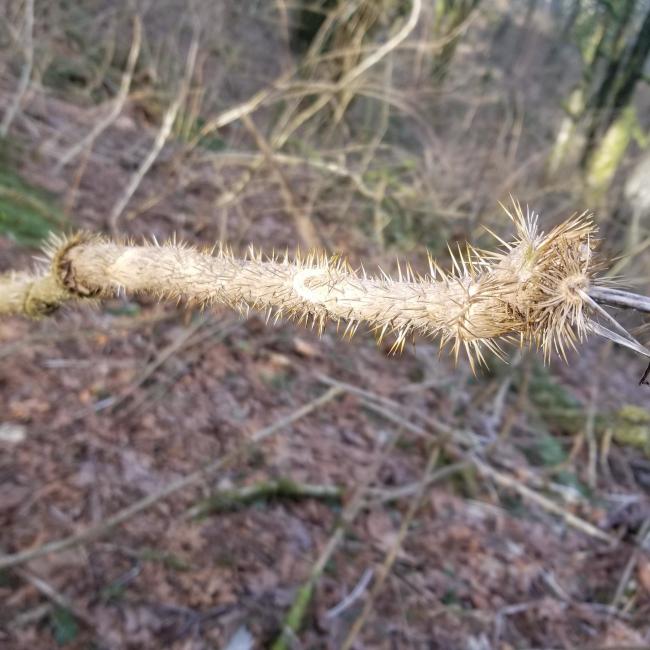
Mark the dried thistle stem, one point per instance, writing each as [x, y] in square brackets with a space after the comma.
[533, 289]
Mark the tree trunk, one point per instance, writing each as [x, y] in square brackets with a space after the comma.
[601, 121]
[608, 153]
[616, 89]
[450, 16]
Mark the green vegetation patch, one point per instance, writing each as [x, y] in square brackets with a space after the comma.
[563, 413]
[632, 427]
[64, 626]
[557, 407]
[27, 213]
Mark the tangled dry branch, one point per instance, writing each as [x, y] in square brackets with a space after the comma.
[535, 290]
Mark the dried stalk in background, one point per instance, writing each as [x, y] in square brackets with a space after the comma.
[27, 38]
[117, 104]
[164, 132]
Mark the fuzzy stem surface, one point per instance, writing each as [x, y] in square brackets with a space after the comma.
[532, 288]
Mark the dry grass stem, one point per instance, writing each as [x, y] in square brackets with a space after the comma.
[384, 570]
[161, 137]
[27, 39]
[304, 225]
[547, 504]
[620, 298]
[117, 104]
[294, 618]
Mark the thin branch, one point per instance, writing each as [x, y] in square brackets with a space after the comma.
[386, 567]
[352, 75]
[117, 105]
[294, 618]
[302, 220]
[161, 138]
[55, 596]
[26, 73]
[31, 616]
[352, 597]
[387, 47]
[237, 112]
[52, 594]
[620, 298]
[631, 564]
[551, 506]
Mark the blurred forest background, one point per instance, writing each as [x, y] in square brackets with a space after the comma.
[352, 499]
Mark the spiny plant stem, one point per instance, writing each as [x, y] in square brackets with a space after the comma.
[533, 290]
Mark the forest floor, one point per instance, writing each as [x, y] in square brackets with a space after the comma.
[524, 507]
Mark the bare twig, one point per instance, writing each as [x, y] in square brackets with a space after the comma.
[55, 596]
[391, 409]
[26, 73]
[294, 618]
[161, 358]
[52, 594]
[304, 225]
[551, 506]
[590, 421]
[391, 556]
[390, 45]
[620, 298]
[117, 104]
[237, 112]
[317, 163]
[161, 138]
[31, 616]
[389, 495]
[352, 75]
[631, 564]
[352, 597]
